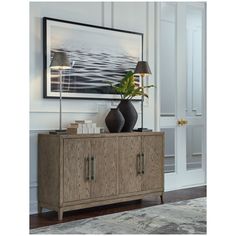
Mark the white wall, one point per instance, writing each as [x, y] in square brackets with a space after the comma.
[134, 16]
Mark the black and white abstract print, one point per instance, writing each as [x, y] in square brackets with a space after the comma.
[99, 58]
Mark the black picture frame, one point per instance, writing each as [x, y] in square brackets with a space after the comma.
[101, 57]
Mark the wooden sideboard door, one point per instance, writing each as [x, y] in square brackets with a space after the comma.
[129, 149]
[76, 186]
[152, 178]
[105, 153]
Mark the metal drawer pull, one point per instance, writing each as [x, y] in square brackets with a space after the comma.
[92, 168]
[142, 163]
[138, 164]
[87, 174]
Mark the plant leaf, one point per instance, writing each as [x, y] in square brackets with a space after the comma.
[129, 88]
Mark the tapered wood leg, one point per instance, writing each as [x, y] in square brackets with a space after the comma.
[60, 214]
[162, 201]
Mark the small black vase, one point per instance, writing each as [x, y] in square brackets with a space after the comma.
[114, 120]
[130, 114]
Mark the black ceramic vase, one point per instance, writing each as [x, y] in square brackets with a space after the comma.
[130, 114]
[114, 120]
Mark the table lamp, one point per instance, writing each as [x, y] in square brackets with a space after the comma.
[60, 62]
[142, 69]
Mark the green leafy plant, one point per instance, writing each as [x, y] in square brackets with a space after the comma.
[129, 88]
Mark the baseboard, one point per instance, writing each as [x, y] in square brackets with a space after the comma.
[185, 187]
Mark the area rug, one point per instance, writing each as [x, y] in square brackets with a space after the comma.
[184, 217]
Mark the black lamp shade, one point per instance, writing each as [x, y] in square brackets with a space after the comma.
[142, 68]
[60, 61]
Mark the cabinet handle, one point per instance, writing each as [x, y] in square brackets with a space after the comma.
[87, 168]
[142, 163]
[138, 164]
[92, 168]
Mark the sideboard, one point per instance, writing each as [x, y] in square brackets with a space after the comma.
[80, 171]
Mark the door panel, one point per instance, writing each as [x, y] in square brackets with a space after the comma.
[105, 153]
[194, 147]
[168, 62]
[194, 88]
[76, 186]
[152, 147]
[129, 180]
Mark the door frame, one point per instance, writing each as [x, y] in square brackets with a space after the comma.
[183, 178]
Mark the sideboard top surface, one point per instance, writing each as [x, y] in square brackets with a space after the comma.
[104, 135]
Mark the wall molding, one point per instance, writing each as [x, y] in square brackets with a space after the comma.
[155, 69]
[33, 184]
[167, 21]
[157, 109]
[112, 14]
[147, 30]
[103, 13]
[70, 111]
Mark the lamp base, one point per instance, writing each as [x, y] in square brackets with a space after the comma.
[142, 130]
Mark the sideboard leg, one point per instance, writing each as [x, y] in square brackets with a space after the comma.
[162, 201]
[60, 214]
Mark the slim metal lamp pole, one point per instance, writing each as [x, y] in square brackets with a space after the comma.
[60, 62]
[60, 99]
[142, 75]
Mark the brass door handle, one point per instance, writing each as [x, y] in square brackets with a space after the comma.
[182, 122]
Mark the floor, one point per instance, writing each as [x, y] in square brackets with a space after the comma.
[50, 218]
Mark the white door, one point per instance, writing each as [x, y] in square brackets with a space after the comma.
[182, 93]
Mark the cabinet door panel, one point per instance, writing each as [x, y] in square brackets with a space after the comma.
[129, 180]
[76, 187]
[153, 162]
[105, 153]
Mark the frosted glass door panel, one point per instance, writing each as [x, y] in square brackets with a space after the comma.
[169, 164]
[194, 147]
[168, 60]
[194, 88]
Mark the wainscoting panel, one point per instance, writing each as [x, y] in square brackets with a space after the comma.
[139, 17]
[132, 17]
[50, 120]
[107, 14]
[33, 168]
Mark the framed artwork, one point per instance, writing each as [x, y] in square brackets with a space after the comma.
[99, 57]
